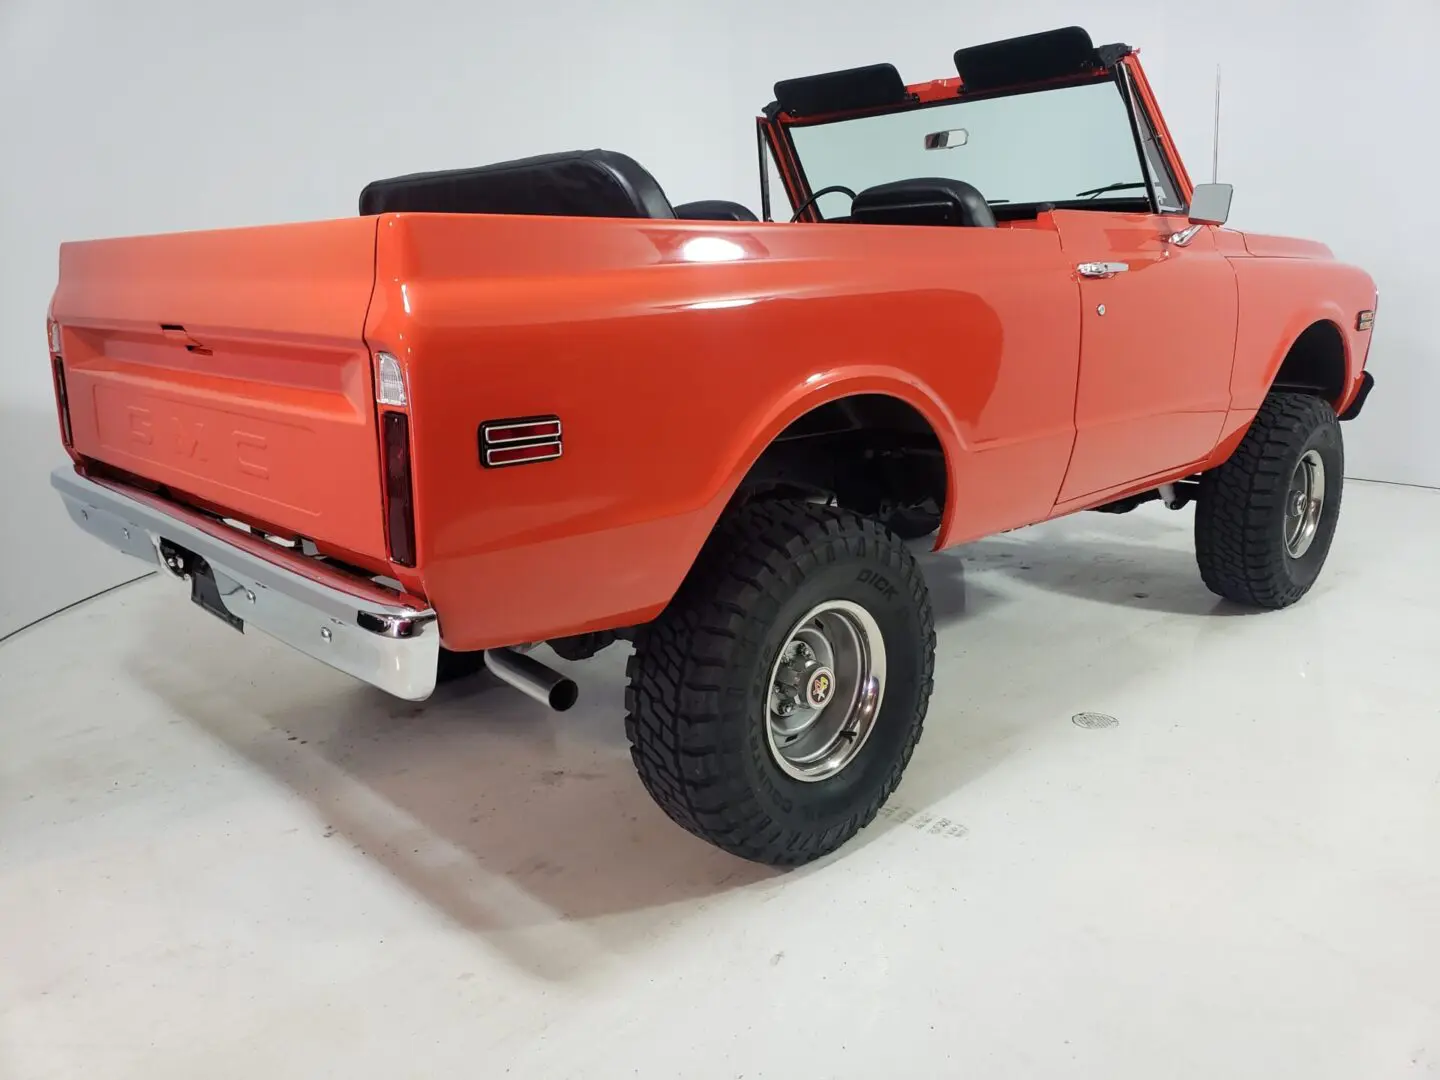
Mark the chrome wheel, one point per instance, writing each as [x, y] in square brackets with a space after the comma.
[1304, 503]
[825, 690]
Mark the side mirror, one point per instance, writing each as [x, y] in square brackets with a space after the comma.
[1210, 204]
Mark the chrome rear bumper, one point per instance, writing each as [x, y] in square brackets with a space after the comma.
[391, 646]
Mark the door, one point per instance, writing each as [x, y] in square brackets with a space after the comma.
[1157, 343]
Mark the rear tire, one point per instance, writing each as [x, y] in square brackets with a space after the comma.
[1254, 540]
[706, 677]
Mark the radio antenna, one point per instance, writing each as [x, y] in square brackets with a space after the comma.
[1215, 139]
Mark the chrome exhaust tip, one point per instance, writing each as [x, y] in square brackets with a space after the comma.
[532, 678]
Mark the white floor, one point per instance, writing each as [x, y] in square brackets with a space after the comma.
[219, 860]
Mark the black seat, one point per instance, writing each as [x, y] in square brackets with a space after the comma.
[926, 201]
[715, 210]
[580, 183]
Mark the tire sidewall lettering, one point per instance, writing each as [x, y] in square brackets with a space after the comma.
[877, 581]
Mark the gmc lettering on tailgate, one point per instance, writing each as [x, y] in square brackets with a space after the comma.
[193, 441]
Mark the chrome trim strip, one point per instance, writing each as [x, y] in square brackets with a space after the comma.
[390, 646]
[500, 425]
[490, 452]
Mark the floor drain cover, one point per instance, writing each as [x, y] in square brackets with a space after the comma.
[1093, 720]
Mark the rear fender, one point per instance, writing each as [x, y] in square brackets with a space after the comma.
[822, 388]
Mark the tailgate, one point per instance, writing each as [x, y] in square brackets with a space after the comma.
[232, 367]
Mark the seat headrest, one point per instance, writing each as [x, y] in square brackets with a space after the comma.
[715, 210]
[935, 200]
[581, 183]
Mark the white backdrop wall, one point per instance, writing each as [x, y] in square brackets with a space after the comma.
[161, 115]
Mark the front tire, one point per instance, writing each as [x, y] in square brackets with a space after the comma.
[1266, 517]
[774, 705]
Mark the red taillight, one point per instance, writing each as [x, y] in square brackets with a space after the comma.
[399, 506]
[62, 401]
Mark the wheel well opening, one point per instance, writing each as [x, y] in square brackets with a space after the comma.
[870, 453]
[1315, 364]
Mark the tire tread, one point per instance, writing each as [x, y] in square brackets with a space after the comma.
[1239, 556]
[677, 690]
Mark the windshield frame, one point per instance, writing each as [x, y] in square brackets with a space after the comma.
[1152, 146]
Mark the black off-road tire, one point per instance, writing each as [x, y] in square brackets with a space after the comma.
[697, 700]
[1240, 516]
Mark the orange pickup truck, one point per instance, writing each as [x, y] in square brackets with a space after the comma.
[535, 402]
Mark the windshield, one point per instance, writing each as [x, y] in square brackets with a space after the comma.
[1052, 146]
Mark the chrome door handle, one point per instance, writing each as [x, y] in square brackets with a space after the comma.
[1101, 269]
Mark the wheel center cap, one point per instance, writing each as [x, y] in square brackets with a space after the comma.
[1298, 504]
[820, 687]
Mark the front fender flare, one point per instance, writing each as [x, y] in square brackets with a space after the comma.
[1329, 311]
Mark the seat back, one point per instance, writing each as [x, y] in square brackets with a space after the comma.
[581, 183]
[926, 201]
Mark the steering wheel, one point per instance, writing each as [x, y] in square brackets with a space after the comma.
[823, 191]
